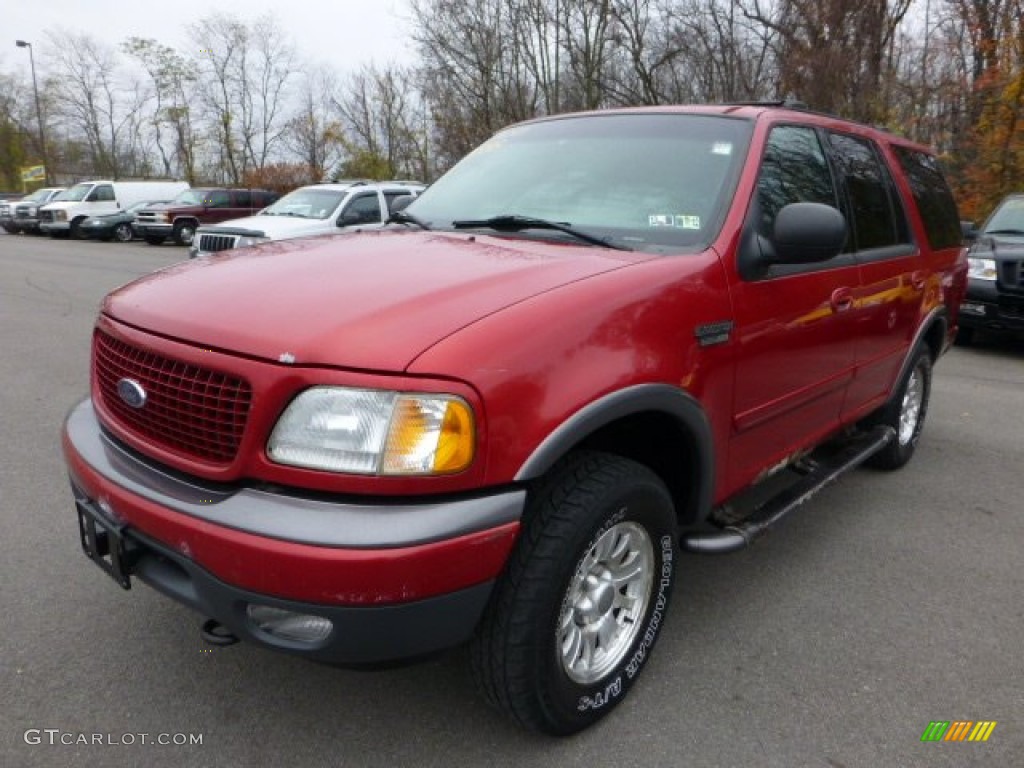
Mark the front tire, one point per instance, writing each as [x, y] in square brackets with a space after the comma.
[184, 233]
[122, 232]
[905, 413]
[575, 616]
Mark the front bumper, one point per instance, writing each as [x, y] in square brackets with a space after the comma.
[153, 230]
[986, 307]
[26, 223]
[395, 580]
[55, 226]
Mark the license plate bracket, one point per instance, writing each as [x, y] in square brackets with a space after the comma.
[104, 543]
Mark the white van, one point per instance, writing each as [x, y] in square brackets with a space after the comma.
[96, 198]
[318, 209]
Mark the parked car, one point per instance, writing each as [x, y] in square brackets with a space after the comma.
[995, 286]
[499, 422]
[115, 226]
[26, 211]
[180, 218]
[7, 214]
[65, 214]
[313, 210]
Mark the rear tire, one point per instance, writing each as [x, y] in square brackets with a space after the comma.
[905, 413]
[576, 614]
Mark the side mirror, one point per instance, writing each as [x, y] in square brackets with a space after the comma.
[348, 218]
[968, 231]
[806, 233]
[401, 203]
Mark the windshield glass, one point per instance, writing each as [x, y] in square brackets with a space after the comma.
[656, 182]
[38, 196]
[1009, 216]
[307, 203]
[191, 197]
[75, 194]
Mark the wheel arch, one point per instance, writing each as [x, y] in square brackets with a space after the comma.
[931, 334]
[657, 425]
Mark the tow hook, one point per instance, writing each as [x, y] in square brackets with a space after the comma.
[216, 633]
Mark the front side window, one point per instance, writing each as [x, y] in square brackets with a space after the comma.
[218, 198]
[655, 182]
[793, 170]
[364, 209]
[102, 194]
[877, 216]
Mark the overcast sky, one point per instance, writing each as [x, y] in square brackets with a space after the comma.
[343, 33]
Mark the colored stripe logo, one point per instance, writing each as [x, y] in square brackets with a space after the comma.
[958, 730]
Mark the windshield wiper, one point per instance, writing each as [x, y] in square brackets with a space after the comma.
[1004, 232]
[511, 222]
[401, 217]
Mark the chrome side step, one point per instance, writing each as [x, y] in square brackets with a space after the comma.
[741, 534]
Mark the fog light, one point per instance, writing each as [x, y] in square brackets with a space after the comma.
[971, 308]
[289, 625]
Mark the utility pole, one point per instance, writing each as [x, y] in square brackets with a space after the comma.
[39, 113]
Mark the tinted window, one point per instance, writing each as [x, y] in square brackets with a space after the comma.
[391, 195]
[243, 198]
[102, 194]
[876, 222]
[263, 199]
[793, 170]
[934, 200]
[364, 209]
[218, 198]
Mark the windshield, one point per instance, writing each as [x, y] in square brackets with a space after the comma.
[655, 182]
[191, 197]
[1008, 218]
[307, 203]
[38, 196]
[75, 194]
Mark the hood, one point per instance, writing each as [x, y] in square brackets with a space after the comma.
[372, 301]
[276, 227]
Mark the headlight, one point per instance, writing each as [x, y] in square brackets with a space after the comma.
[60, 215]
[246, 240]
[365, 431]
[981, 269]
[32, 211]
[160, 217]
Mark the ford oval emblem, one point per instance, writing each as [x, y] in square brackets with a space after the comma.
[131, 392]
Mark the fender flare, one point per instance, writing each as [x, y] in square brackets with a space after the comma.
[938, 315]
[673, 402]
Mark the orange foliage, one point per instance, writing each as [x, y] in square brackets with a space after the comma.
[280, 177]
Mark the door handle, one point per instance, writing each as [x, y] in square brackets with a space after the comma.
[918, 279]
[841, 299]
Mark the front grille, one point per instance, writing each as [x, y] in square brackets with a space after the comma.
[188, 408]
[214, 243]
[1011, 274]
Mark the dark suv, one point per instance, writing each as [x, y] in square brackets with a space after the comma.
[995, 287]
[180, 218]
[503, 420]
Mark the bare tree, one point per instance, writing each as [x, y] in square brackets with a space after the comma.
[315, 134]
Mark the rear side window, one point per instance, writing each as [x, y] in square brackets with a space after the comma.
[218, 198]
[878, 218]
[243, 198]
[934, 200]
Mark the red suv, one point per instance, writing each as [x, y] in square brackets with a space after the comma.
[501, 421]
[180, 218]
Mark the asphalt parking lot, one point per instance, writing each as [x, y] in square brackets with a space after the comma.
[888, 602]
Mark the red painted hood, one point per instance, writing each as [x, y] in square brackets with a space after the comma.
[372, 301]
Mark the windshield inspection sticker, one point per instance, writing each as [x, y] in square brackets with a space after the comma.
[721, 148]
[678, 221]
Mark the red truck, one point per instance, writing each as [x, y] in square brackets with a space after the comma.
[504, 418]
